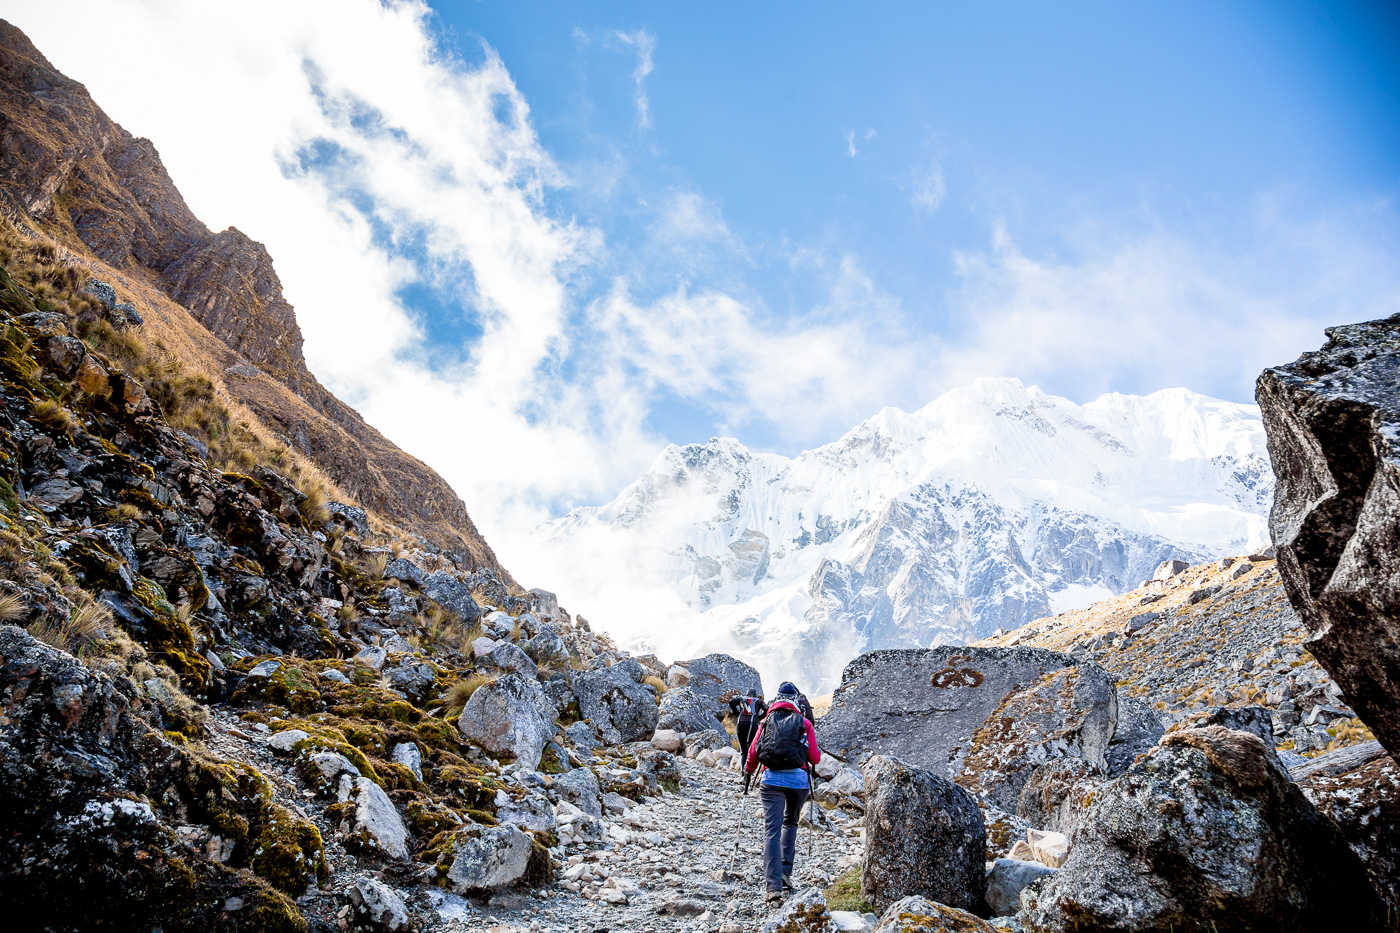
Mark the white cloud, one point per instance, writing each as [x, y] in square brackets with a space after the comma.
[851, 149]
[644, 43]
[929, 188]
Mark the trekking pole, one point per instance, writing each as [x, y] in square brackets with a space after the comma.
[811, 809]
[734, 853]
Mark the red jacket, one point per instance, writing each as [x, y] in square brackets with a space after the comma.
[814, 754]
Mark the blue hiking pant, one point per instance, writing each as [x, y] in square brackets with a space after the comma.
[782, 806]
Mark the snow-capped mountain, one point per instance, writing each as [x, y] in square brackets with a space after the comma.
[992, 506]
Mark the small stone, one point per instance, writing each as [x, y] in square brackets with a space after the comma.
[380, 905]
[282, 742]
[265, 669]
[372, 657]
[1049, 847]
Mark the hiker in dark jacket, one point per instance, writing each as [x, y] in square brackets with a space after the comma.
[749, 712]
[785, 746]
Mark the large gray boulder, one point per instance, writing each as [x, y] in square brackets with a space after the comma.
[378, 906]
[623, 709]
[1137, 731]
[509, 657]
[924, 705]
[505, 718]
[376, 825]
[1068, 713]
[487, 857]
[547, 646]
[451, 593]
[1206, 832]
[923, 835]
[581, 788]
[721, 677]
[1333, 425]
[685, 711]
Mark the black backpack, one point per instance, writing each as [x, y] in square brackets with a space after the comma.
[782, 742]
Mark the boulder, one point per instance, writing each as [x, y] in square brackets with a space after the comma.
[710, 739]
[1255, 720]
[1068, 713]
[580, 787]
[487, 857]
[408, 755]
[923, 835]
[847, 788]
[372, 657]
[1363, 800]
[1007, 878]
[504, 717]
[921, 915]
[923, 706]
[685, 711]
[413, 679]
[547, 646]
[405, 570]
[452, 594]
[623, 709]
[1206, 830]
[805, 912]
[321, 770]
[720, 677]
[376, 826]
[1058, 793]
[1338, 761]
[1048, 847]
[1333, 424]
[378, 906]
[1168, 569]
[667, 740]
[282, 742]
[1137, 731]
[509, 657]
[532, 811]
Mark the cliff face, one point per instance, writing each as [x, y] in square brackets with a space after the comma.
[68, 170]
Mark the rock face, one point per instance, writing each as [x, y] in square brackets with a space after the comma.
[614, 702]
[1206, 830]
[1333, 423]
[71, 169]
[76, 763]
[1068, 713]
[923, 835]
[504, 717]
[923, 706]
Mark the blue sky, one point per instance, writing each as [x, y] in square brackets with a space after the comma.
[814, 127]
[533, 242]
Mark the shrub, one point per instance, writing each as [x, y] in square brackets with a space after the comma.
[52, 414]
[460, 692]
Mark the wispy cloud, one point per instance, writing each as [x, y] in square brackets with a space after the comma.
[929, 188]
[644, 43]
[851, 149]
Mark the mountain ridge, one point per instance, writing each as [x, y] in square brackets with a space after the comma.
[991, 506]
[214, 299]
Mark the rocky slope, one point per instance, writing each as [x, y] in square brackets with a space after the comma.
[992, 506]
[108, 207]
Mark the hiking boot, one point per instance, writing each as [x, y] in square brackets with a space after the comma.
[773, 899]
[787, 883]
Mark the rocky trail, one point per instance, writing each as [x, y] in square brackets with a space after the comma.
[669, 863]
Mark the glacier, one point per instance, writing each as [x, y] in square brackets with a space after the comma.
[993, 505]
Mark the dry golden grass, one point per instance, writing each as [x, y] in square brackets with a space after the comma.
[52, 414]
[459, 693]
[656, 682]
[85, 626]
[13, 607]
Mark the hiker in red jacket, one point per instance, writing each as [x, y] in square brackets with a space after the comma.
[785, 746]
